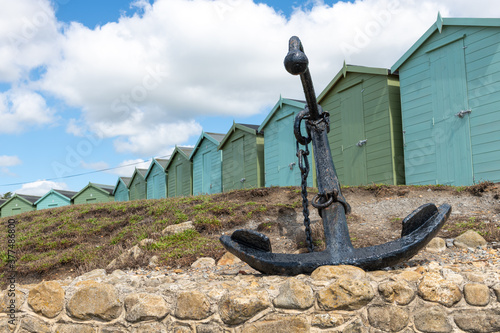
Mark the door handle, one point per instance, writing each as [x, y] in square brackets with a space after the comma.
[361, 143]
[242, 180]
[291, 165]
[462, 113]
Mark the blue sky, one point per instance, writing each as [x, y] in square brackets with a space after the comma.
[92, 85]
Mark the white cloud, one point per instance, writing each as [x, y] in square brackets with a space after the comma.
[8, 161]
[126, 168]
[40, 187]
[146, 79]
[95, 166]
[21, 109]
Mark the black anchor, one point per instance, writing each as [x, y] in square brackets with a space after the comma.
[254, 248]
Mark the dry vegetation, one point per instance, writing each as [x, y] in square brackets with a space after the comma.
[74, 239]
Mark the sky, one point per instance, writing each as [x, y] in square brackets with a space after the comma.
[91, 89]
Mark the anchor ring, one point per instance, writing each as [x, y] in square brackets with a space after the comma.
[316, 198]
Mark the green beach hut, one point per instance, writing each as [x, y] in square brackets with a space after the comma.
[121, 192]
[280, 149]
[17, 204]
[137, 186]
[179, 171]
[207, 164]
[94, 193]
[365, 125]
[243, 158]
[55, 198]
[156, 179]
[450, 98]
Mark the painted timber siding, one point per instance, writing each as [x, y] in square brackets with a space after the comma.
[179, 170]
[121, 192]
[137, 185]
[454, 67]
[243, 158]
[54, 198]
[207, 164]
[94, 193]
[280, 150]
[18, 204]
[363, 103]
[156, 180]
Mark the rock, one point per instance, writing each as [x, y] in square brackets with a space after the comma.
[472, 320]
[153, 261]
[355, 327]
[470, 239]
[451, 276]
[477, 294]
[92, 275]
[345, 294]
[192, 305]
[34, 325]
[203, 263]
[434, 288]
[6, 302]
[436, 245]
[388, 318]
[178, 228]
[95, 300]
[337, 272]
[496, 290]
[74, 328]
[228, 259]
[449, 242]
[398, 292]
[294, 294]
[432, 320]
[285, 324]
[236, 307]
[142, 306]
[207, 328]
[327, 320]
[146, 242]
[409, 276]
[126, 258]
[149, 328]
[47, 299]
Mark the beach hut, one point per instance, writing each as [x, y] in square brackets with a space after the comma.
[121, 192]
[280, 149]
[365, 125]
[17, 204]
[179, 170]
[137, 186]
[450, 98]
[2, 201]
[207, 164]
[55, 198]
[156, 179]
[243, 157]
[94, 193]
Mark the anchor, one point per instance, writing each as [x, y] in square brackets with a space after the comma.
[254, 248]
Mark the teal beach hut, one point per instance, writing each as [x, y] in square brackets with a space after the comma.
[280, 149]
[243, 158]
[179, 171]
[207, 164]
[121, 192]
[156, 179]
[94, 193]
[365, 125]
[137, 186]
[450, 99]
[17, 204]
[55, 198]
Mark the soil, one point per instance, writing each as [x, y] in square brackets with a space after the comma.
[377, 212]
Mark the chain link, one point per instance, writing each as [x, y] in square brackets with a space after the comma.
[304, 172]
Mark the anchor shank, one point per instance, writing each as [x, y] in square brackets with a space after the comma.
[337, 236]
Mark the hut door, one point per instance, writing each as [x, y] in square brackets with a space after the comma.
[239, 164]
[287, 155]
[451, 130]
[178, 180]
[207, 171]
[353, 136]
[156, 186]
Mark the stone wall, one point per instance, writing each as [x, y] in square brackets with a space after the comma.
[430, 298]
